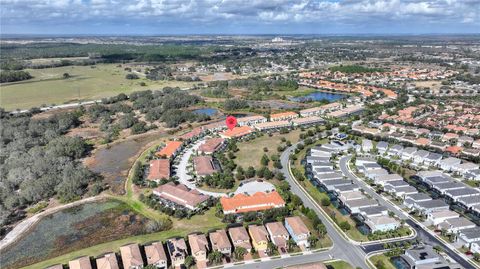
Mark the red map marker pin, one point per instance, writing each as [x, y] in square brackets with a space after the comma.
[231, 122]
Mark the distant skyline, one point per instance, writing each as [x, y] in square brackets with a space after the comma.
[236, 17]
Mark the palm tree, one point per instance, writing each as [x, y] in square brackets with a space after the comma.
[312, 240]
[271, 248]
[291, 244]
[239, 253]
[215, 257]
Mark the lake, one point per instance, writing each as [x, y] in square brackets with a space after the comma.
[207, 111]
[319, 96]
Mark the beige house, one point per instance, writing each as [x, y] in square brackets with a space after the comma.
[155, 254]
[177, 249]
[198, 246]
[108, 261]
[80, 263]
[240, 238]
[131, 256]
[220, 242]
[278, 234]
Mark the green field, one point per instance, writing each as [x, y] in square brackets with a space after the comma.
[382, 259]
[339, 265]
[86, 83]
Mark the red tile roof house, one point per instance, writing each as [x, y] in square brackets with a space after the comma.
[171, 149]
[211, 145]
[80, 263]
[449, 136]
[131, 256]
[181, 195]
[237, 132]
[199, 247]
[241, 203]
[156, 255]
[278, 234]
[220, 242]
[204, 165]
[159, 169]
[240, 238]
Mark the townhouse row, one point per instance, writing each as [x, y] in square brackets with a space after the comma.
[175, 251]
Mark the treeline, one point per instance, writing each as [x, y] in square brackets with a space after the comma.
[109, 52]
[37, 161]
[13, 75]
[350, 69]
[469, 78]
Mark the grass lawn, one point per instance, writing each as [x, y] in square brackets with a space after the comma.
[384, 259]
[339, 265]
[250, 152]
[87, 83]
[201, 223]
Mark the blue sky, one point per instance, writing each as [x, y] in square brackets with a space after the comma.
[170, 17]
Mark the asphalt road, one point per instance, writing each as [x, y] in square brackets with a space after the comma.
[342, 248]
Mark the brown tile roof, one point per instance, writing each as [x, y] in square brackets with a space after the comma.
[159, 169]
[239, 234]
[170, 148]
[288, 114]
[276, 229]
[297, 225]
[155, 253]
[258, 233]
[219, 240]
[180, 194]
[80, 263]
[56, 266]
[108, 261]
[193, 133]
[131, 255]
[197, 242]
[211, 145]
[204, 165]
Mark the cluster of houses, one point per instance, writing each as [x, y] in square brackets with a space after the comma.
[436, 211]
[175, 250]
[349, 195]
[423, 159]
[450, 142]
[425, 256]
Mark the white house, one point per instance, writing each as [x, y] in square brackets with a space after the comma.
[367, 145]
[382, 223]
[438, 217]
[455, 225]
[448, 163]
[407, 153]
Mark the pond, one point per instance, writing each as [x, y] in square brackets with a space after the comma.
[319, 96]
[207, 111]
[114, 162]
[363, 229]
[75, 228]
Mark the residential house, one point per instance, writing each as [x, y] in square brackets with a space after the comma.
[446, 186]
[354, 206]
[56, 266]
[80, 263]
[469, 201]
[211, 145]
[421, 257]
[456, 194]
[298, 230]
[469, 236]
[156, 256]
[170, 150]
[278, 234]
[464, 167]
[159, 169]
[204, 165]
[367, 145]
[447, 164]
[270, 125]
[426, 207]
[107, 261]
[237, 132]
[131, 256]
[473, 174]
[259, 236]
[411, 199]
[382, 147]
[420, 156]
[241, 203]
[395, 150]
[198, 246]
[383, 179]
[408, 153]
[240, 238]
[251, 120]
[382, 223]
[432, 159]
[289, 115]
[181, 195]
[177, 249]
[438, 217]
[373, 211]
[220, 242]
[307, 121]
[455, 225]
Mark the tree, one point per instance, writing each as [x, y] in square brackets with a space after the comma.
[239, 253]
[189, 261]
[250, 172]
[312, 240]
[215, 257]
[131, 76]
[326, 201]
[291, 244]
[265, 160]
[66, 75]
[345, 226]
[321, 230]
[476, 256]
[271, 248]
